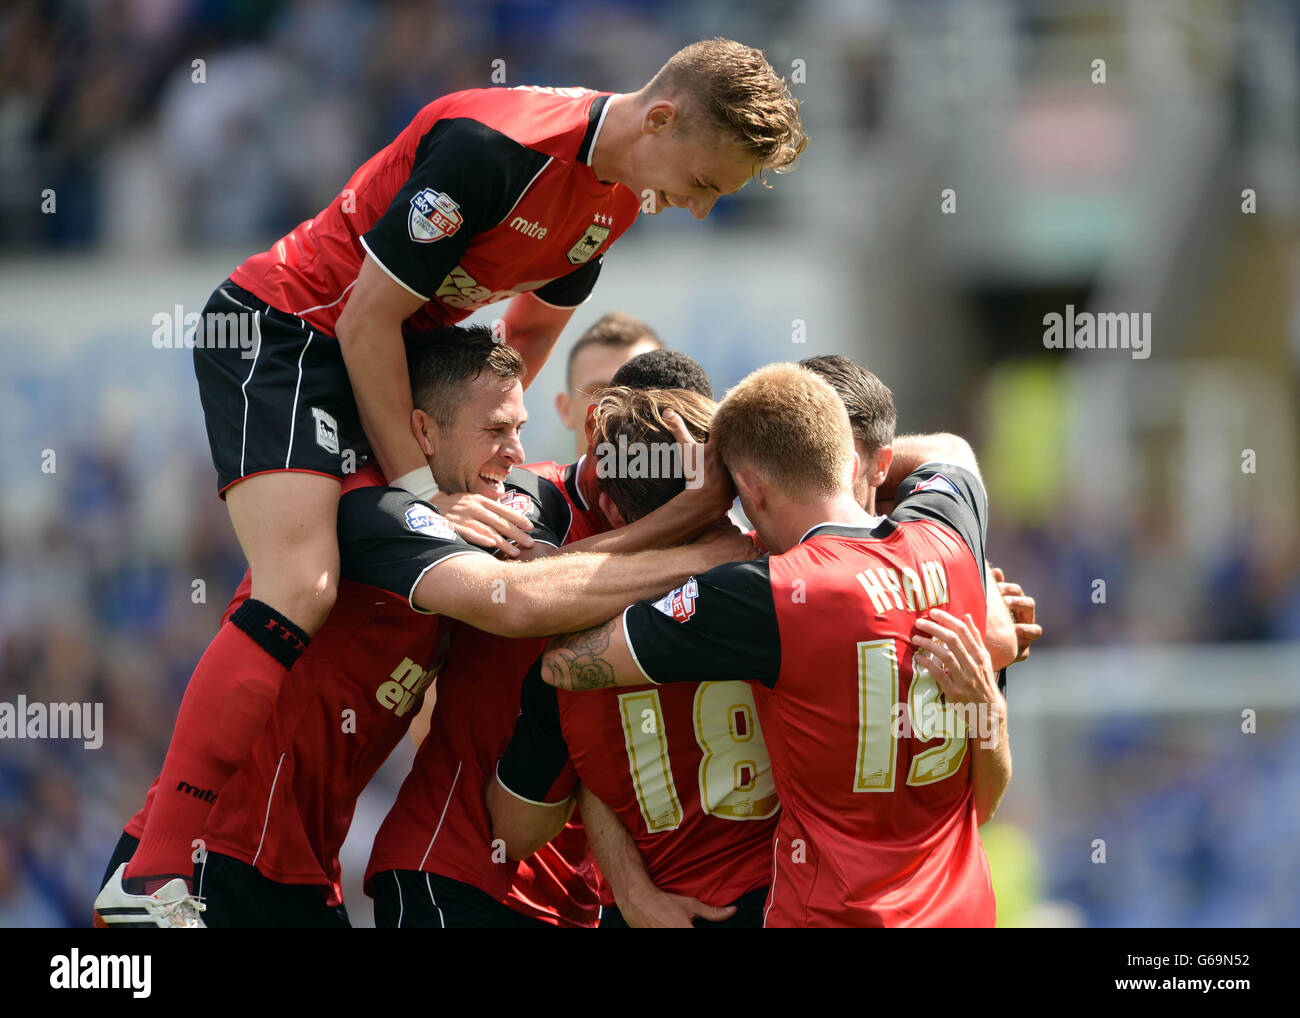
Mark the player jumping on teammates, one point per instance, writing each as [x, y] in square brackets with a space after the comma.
[273, 837]
[487, 195]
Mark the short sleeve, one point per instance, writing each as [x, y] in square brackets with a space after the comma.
[571, 290]
[950, 495]
[389, 539]
[542, 502]
[720, 625]
[465, 179]
[536, 766]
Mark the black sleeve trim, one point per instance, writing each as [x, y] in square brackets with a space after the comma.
[950, 495]
[537, 754]
[571, 290]
[388, 539]
[719, 625]
[542, 502]
[465, 179]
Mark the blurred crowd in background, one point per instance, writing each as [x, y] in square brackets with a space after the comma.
[151, 154]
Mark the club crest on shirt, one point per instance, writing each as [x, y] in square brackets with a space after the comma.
[518, 501]
[424, 520]
[589, 243]
[433, 216]
[680, 604]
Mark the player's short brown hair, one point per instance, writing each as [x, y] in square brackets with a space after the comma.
[735, 92]
[441, 361]
[613, 329]
[632, 420]
[789, 427]
[868, 400]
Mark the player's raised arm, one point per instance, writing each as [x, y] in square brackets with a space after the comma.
[1024, 610]
[370, 339]
[911, 451]
[999, 627]
[952, 651]
[719, 625]
[702, 502]
[564, 592]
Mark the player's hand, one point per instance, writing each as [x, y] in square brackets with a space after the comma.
[486, 522]
[724, 542]
[656, 909]
[1023, 612]
[706, 477]
[953, 651]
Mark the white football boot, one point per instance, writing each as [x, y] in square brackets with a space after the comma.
[172, 906]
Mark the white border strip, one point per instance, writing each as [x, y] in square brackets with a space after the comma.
[627, 638]
[390, 275]
[410, 598]
[524, 798]
[269, 799]
[450, 792]
[325, 307]
[293, 415]
[243, 437]
[604, 112]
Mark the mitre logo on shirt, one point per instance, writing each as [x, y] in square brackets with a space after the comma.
[680, 604]
[589, 243]
[528, 228]
[422, 518]
[433, 216]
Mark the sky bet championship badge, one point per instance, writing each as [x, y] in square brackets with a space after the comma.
[433, 216]
[423, 520]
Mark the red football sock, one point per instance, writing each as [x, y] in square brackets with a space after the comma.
[225, 707]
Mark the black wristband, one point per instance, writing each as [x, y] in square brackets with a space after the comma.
[271, 631]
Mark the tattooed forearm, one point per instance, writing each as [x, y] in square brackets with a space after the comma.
[574, 661]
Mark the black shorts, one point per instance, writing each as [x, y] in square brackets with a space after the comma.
[410, 899]
[749, 914]
[275, 391]
[236, 896]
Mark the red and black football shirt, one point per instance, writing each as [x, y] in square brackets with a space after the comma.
[439, 823]
[348, 699]
[684, 767]
[486, 194]
[875, 830]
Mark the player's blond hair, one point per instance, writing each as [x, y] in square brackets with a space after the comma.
[637, 416]
[733, 90]
[788, 426]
